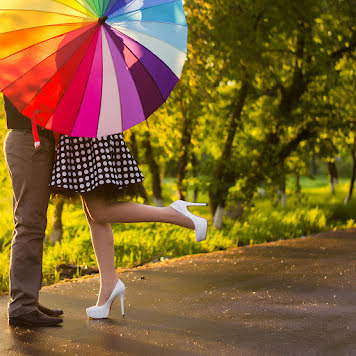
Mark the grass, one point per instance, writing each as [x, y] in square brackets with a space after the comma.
[321, 181]
[315, 210]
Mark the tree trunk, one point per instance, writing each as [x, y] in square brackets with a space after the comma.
[185, 148]
[298, 187]
[218, 217]
[183, 159]
[57, 230]
[155, 171]
[333, 176]
[195, 174]
[222, 180]
[134, 151]
[282, 196]
[314, 166]
[353, 175]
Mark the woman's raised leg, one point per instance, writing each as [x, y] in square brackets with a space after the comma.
[100, 214]
[128, 212]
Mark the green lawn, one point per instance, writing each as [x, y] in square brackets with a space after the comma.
[317, 182]
[316, 209]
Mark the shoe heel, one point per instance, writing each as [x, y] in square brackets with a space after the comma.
[197, 204]
[103, 311]
[122, 303]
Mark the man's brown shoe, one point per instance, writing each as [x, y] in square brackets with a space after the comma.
[50, 312]
[35, 318]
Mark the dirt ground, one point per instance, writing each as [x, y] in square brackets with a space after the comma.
[291, 297]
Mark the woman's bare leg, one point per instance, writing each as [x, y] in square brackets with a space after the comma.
[128, 212]
[100, 214]
[103, 243]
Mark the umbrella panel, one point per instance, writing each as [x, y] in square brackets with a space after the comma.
[86, 123]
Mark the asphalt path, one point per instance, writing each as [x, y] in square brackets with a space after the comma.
[291, 297]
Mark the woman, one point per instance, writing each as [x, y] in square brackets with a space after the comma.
[103, 171]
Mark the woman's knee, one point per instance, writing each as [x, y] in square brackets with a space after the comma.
[97, 216]
[95, 212]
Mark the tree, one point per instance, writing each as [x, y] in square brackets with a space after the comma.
[278, 53]
[57, 229]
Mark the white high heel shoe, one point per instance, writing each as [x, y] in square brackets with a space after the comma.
[103, 311]
[201, 224]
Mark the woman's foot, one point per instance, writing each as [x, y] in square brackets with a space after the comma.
[106, 289]
[103, 311]
[181, 220]
[200, 225]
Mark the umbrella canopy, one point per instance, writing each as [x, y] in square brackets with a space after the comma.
[90, 67]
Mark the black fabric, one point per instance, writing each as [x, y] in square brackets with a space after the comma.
[15, 120]
[101, 166]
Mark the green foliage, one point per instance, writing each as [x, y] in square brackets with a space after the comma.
[263, 225]
[314, 211]
[298, 60]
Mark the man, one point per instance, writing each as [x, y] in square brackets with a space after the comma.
[30, 171]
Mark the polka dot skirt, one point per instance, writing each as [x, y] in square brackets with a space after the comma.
[83, 164]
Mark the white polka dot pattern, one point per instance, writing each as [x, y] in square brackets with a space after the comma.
[84, 164]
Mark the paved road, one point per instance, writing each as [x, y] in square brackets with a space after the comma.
[295, 297]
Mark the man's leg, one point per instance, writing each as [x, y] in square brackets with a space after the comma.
[30, 169]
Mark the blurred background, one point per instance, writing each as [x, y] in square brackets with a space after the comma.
[261, 127]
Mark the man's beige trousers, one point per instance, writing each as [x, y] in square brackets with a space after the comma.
[30, 171]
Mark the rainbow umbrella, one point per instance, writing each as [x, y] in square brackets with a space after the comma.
[90, 67]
